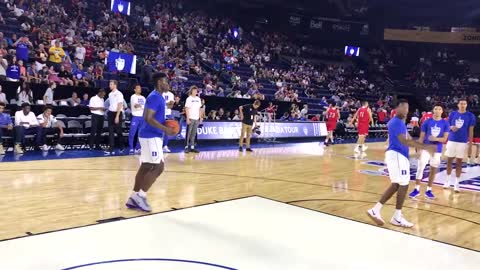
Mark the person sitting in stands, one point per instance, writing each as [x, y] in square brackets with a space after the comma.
[48, 125]
[25, 124]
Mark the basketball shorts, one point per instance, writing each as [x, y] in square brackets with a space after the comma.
[362, 129]
[434, 160]
[456, 149]
[152, 151]
[398, 167]
[331, 126]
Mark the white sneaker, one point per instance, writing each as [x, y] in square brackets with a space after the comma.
[447, 184]
[18, 149]
[44, 147]
[59, 147]
[2, 151]
[456, 186]
[357, 150]
[138, 152]
[166, 149]
[376, 217]
[402, 222]
[364, 148]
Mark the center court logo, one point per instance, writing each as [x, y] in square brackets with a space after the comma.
[470, 174]
[150, 264]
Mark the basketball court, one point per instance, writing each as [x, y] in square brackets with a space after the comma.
[295, 206]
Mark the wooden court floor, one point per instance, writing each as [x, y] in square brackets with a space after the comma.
[42, 196]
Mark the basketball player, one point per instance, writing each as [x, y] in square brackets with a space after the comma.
[364, 116]
[333, 115]
[434, 131]
[150, 136]
[426, 116]
[398, 166]
[393, 113]
[461, 123]
[169, 100]
[137, 104]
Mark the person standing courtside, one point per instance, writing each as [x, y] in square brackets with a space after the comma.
[137, 104]
[169, 101]
[6, 125]
[150, 136]
[194, 118]
[97, 108]
[248, 115]
[115, 116]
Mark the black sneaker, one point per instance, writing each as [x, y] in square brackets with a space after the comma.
[187, 150]
[240, 149]
[194, 150]
[249, 150]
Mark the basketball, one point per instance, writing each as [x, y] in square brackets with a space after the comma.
[173, 124]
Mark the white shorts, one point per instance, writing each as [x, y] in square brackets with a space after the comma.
[434, 160]
[152, 150]
[398, 167]
[456, 149]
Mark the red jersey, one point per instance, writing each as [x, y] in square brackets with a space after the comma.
[393, 113]
[363, 115]
[332, 115]
[382, 114]
[426, 116]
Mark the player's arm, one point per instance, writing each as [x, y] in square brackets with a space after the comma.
[470, 134]
[422, 137]
[413, 143]
[451, 124]
[149, 117]
[170, 104]
[354, 118]
[370, 115]
[338, 116]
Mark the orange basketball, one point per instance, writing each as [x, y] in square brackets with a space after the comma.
[173, 124]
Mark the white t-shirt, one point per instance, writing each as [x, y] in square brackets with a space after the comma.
[193, 104]
[137, 99]
[168, 96]
[29, 118]
[97, 102]
[3, 98]
[80, 53]
[49, 95]
[51, 121]
[3, 70]
[115, 98]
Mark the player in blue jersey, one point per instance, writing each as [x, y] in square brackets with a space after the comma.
[462, 124]
[398, 166]
[150, 137]
[434, 131]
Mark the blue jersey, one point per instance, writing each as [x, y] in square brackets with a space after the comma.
[155, 102]
[436, 128]
[22, 51]
[463, 121]
[13, 72]
[397, 127]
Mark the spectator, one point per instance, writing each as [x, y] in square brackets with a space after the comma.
[74, 100]
[3, 68]
[85, 101]
[66, 78]
[80, 52]
[13, 71]
[48, 96]
[25, 124]
[316, 118]
[79, 77]
[48, 125]
[97, 108]
[304, 111]
[236, 115]
[56, 53]
[3, 97]
[6, 125]
[22, 45]
[25, 95]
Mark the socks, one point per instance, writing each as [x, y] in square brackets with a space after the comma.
[429, 188]
[377, 207]
[449, 178]
[417, 187]
[142, 194]
[457, 180]
[398, 214]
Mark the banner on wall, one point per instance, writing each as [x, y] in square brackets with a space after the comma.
[231, 130]
[432, 36]
[120, 6]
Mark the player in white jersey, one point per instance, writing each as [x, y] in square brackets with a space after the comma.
[137, 104]
[169, 100]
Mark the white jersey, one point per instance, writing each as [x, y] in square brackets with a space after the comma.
[168, 96]
[137, 99]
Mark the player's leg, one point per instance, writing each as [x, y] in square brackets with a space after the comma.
[422, 163]
[248, 138]
[477, 160]
[451, 154]
[458, 174]
[402, 180]
[134, 125]
[434, 164]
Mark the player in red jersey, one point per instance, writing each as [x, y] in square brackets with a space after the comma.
[364, 116]
[393, 113]
[333, 115]
[382, 115]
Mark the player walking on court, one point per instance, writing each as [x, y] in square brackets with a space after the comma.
[434, 131]
[333, 115]
[461, 123]
[364, 116]
[398, 166]
[150, 136]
